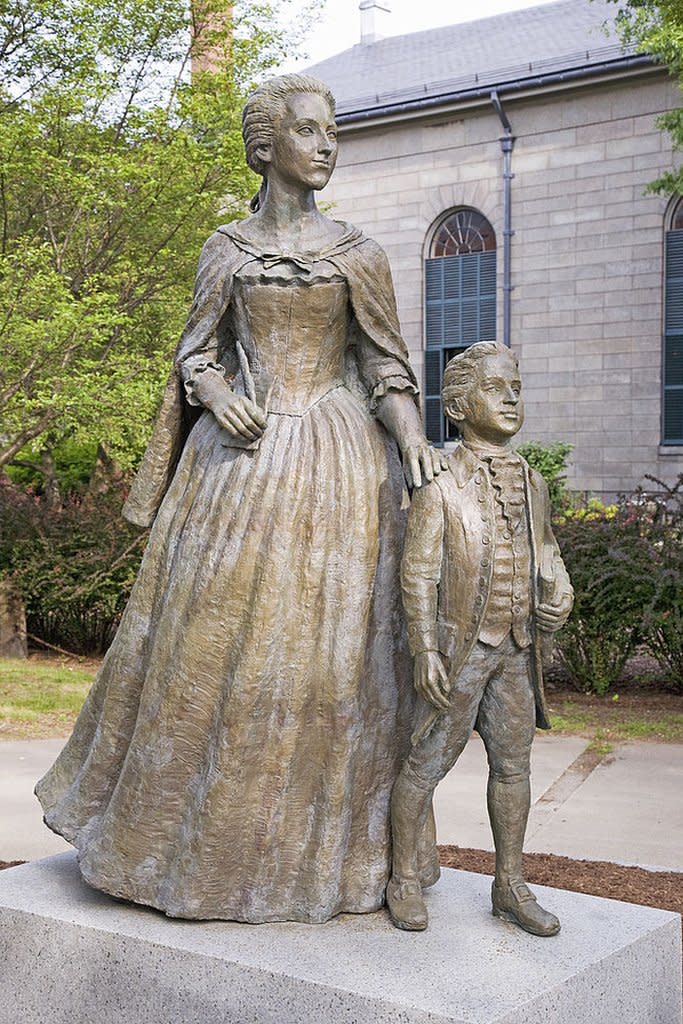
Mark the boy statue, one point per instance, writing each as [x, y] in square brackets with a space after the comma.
[484, 587]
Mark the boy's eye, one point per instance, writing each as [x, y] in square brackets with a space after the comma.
[332, 136]
[305, 130]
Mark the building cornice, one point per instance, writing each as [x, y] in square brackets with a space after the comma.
[447, 103]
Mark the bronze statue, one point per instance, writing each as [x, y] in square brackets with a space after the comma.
[484, 586]
[236, 755]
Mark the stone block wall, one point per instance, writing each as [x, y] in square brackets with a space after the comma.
[587, 253]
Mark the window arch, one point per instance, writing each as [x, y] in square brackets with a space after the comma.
[672, 357]
[460, 302]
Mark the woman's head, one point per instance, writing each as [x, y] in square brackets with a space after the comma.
[266, 107]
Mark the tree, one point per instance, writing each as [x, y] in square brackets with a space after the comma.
[115, 165]
[656, 27]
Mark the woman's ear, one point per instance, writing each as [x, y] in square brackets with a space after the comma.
[265, 152]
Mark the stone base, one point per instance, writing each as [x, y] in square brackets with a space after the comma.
[70, 955]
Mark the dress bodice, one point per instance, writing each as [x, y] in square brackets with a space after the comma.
[293, 333]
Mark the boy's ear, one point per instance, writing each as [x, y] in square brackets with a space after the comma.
[453, 412]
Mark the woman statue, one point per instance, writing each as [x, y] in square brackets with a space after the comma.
[236, 754]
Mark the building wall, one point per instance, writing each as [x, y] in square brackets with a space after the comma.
[587, 254]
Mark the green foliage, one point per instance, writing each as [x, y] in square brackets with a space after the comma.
[626, 566]
[663, 620]
[115, 165]
[73, 467]
[550, 460]
[656, 27]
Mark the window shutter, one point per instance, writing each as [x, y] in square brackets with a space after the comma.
[672, 370]
[460, 310]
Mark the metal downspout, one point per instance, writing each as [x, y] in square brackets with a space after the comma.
[507, 142]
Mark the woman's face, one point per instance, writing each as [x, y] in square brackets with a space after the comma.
[304, 146]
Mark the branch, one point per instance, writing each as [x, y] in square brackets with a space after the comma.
[27, 435]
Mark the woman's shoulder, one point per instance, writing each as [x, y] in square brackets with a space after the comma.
[219, 243]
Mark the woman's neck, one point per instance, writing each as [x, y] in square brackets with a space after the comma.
[289, 216]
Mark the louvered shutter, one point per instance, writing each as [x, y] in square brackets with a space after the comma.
[460, 310]
[672, 418]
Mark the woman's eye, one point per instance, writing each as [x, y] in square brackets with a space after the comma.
[332, 136]
[305, 130]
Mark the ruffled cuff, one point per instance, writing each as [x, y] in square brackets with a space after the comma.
[395, 382]
[190, 369]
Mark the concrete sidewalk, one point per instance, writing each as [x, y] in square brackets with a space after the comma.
[628, 809]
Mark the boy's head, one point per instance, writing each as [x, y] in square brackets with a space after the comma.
[481, 393]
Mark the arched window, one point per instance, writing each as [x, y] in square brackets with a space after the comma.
[460, 303]
[672, 363]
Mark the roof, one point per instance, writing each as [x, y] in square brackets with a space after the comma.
[507, 48]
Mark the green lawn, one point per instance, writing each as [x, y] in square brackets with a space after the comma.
[41, 697]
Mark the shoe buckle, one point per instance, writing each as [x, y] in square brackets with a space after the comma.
[521, 891]
[408, 888]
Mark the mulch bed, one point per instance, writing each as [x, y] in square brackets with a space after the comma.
[662, 889]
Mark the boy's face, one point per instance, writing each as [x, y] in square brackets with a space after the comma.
[492, 410]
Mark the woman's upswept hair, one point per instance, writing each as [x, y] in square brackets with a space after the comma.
[460, 371]
[264, 110]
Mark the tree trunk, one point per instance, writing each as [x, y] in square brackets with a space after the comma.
[53, 497]
[12, 622]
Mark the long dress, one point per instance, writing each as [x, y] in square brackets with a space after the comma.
[236, 754]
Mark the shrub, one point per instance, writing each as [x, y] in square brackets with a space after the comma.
[626, 565]
[74, 566]
[662, 516]
[550, 460]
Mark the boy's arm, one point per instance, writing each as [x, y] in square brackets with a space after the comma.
[420, 577]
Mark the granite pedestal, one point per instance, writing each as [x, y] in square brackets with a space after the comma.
[70, 955]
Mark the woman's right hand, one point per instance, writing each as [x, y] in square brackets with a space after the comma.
[237, 414]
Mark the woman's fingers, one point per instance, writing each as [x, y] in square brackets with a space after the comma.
[243, 417]
[255, 412]
[422, 463]
[232, 422]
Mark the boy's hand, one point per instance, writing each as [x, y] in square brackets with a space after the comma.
[551, 617]
[431, 679]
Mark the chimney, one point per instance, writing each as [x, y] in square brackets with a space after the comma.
[373, 17]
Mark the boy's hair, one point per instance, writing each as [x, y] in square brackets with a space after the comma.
[461, 370]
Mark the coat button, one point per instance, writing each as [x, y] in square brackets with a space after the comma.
[485, 563]
[516, 610]
[486, 540]
[468, 635]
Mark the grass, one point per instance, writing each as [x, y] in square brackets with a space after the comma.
[41, 697]
[608, 721]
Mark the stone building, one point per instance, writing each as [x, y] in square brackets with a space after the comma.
[503, 165]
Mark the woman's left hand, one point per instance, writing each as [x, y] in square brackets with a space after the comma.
[421, 463]
[399, 414]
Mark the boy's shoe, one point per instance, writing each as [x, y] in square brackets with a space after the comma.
[515, 902]
[406, 905]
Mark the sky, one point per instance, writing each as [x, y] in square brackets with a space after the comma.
[339, 26]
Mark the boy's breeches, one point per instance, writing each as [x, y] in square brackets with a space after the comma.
[494, 694]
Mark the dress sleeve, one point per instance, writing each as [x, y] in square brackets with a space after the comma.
[382, 354]
[198, 347]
